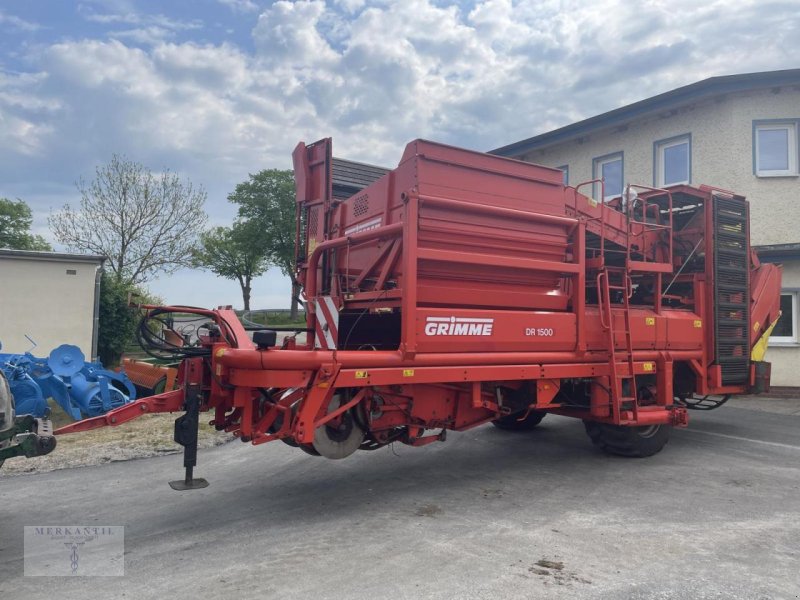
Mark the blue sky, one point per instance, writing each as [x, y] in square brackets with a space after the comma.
[217, 89]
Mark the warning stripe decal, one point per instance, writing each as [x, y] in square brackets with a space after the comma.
[327, 323]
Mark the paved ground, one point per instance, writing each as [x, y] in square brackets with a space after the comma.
[716, 515]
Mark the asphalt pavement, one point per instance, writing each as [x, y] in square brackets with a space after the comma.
[487, 514]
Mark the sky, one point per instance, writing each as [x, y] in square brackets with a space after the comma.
[217, 89]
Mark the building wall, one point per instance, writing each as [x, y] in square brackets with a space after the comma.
[39, 298]
[785, 358]
[721, 155]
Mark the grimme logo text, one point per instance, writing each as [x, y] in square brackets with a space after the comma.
[458, 326]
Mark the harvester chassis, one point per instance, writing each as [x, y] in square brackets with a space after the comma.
[462, 289]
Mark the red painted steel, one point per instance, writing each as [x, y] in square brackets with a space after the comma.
[468, 287]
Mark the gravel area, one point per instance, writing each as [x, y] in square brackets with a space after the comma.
[149, 435]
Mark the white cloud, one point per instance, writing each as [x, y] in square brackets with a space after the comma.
[16, 23]
[287, 35]
[351, 6]
[135, 18]
[240, 6]
[144, 35]
[374, 75]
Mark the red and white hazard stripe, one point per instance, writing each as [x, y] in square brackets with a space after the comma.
[327, 323]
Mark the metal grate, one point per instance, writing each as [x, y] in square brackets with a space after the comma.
[312, 222]
[731, 285]
[360, 205]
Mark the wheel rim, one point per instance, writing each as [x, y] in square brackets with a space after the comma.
[648, 431]
[340, 440]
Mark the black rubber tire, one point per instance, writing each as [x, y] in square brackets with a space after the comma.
[512, 422]
[8, 410]
[307, 448]
[636, 442]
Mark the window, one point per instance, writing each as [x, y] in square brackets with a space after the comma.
[609, 168]
[673, 159]
[565, 169]
[785, 331]
[775, 148]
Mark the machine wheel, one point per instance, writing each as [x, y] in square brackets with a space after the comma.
[7, 411]
[341, 438]
[512, 422]
[636, 442]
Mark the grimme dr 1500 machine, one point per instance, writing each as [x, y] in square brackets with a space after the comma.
[462, 288]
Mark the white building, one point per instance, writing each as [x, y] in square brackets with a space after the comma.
[51, 298]
[738, 132]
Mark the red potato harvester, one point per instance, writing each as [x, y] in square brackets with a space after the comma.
[462, 288]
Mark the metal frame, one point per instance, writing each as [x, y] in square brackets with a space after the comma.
[501, 282]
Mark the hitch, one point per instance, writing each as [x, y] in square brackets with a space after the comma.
[186, 427]
[29, 437]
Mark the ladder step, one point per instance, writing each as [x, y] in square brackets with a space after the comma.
[594, 263]
[649, 267]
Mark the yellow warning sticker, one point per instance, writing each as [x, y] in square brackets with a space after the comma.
[756, 326]
[408, 372]
[698, 323]
[220, 353]
[650, 321]
[312, 245]
[649, 367]
[362, 374]
[592, 202]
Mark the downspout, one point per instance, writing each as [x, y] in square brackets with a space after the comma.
[96, 317]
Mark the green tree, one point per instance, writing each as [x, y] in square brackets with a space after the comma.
[15, 224]
[267, 201]
[234, 253]
[117, 321]
[143, 223]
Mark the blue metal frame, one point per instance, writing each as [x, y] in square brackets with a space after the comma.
[663, 142]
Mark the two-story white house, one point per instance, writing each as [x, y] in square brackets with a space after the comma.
[739, 132]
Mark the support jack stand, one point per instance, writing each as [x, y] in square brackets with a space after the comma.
[186, 435]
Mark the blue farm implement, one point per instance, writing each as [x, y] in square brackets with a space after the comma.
[82, 389]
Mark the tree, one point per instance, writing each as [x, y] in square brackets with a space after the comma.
[233, 253]
[15, 224]
[267, 201]
[142, 223]
[117, 321]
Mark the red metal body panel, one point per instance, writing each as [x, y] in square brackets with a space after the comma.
[462, 287]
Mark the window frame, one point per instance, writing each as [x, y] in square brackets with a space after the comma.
[565, 169]
[793, 147]
[782, 340]
[659, 146]
[597, 173]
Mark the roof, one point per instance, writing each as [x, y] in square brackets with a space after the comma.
[778, 252]
[707, 88]
[350, 177]
[51, 256]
